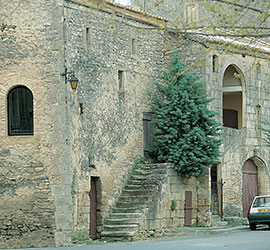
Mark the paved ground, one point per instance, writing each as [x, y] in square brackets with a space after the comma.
[231, 238]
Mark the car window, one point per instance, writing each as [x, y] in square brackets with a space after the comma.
[262, 202]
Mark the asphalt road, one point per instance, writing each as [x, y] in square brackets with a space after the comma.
[244, 239]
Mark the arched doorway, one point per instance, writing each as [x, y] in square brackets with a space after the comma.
[249, 184]
[233, 97]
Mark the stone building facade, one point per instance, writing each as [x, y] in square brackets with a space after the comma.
[236, 76]
[58, 144]
[207, 13]
[88, 139]
[235, 71]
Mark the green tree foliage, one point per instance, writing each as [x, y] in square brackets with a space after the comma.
[186, 131]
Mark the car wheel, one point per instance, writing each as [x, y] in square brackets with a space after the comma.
[269, 226]
[252, 226]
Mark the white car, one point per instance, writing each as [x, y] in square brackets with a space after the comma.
[259, 211]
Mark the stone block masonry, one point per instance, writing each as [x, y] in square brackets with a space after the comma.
[154, 201]
[31, 165]
[95, 131]
[171, 211]
[27, 210]
[108, 135]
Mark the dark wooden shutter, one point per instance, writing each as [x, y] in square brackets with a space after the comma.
[188, 208]
[148, 133]
[20, 112]
[230, 118]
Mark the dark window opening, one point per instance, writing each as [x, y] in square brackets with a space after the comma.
[87, 32]
[20, 111]
[148, 134]
[215, 63]
[120, 80]
[230, 118]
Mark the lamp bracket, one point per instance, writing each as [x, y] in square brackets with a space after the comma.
[67, 75]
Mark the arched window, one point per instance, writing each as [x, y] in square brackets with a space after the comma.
[233, 98]
[20, 111]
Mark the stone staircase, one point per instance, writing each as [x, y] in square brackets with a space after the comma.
[141, 193]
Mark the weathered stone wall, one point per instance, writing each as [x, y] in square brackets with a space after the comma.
[93, 131]
[246, 143]
[97, 130]
[34, 170]
[107, 122]
[238, 145]
[205, 13]
[169, 214]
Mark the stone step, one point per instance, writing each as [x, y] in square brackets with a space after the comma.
[149, 171]
[140, 192]
[153, 166]
[122, 221]
[119, 228]
[130, 198]
[128, 204]
[135, 203]
[142, 181]
[151, 178]
[141, 186]
[126, 210]
[117, 235]
[125, 215]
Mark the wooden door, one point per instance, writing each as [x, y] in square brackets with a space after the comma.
[188, 208]
[93, 209]
[249, 185]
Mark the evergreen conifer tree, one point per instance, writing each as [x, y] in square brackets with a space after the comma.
[186, 130]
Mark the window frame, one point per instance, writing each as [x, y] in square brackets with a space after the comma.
[24, 110]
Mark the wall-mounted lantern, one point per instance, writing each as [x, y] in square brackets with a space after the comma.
[70, 76]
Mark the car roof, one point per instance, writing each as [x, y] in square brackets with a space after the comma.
[261, 196]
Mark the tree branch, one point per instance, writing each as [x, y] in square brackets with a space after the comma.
[240, 5]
